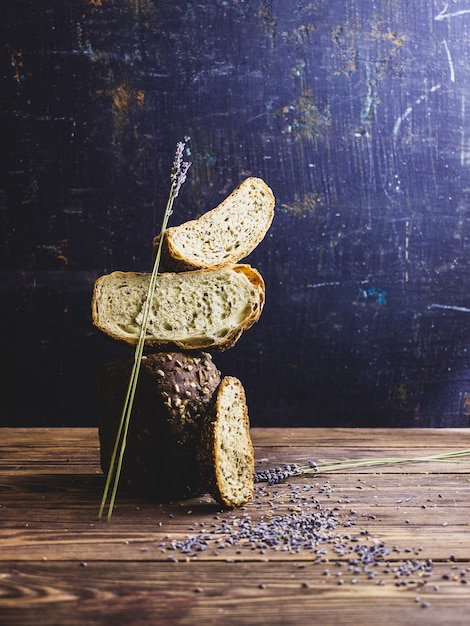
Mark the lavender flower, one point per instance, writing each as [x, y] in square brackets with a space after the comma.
[276, 475]
[179, 170]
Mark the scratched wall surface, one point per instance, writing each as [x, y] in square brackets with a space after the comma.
[355, 112]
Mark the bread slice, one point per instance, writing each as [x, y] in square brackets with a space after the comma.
[173, 392]
[192, 310]
[226, 451]
[222, 236]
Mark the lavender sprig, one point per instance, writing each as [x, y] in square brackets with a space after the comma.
[276, 475]
[179, 170]
[177, 178]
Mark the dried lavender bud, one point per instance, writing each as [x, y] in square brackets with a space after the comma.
[276, 475]
[318, 529]
[179, 170]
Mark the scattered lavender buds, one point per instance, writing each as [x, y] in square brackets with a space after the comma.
[308, 527]
[292, 518]
[323, 536]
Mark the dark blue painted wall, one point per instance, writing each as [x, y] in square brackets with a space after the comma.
[356, 113]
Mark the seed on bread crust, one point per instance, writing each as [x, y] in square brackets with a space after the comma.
[165, 427]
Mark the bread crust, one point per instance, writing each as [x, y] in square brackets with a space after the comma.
[230, 486]
[173, 392]
[105, 321]
[178, 258]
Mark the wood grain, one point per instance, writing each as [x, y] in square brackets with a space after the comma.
[60, 565]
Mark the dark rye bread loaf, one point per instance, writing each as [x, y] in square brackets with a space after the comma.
[173, 392]
[226, 452]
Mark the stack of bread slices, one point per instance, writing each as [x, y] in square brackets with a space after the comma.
[189, 432]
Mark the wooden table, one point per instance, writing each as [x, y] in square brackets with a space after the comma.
[59, 565]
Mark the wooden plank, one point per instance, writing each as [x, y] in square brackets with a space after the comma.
[48, 437]
[22, 488]
[25, 490]
[126, 544]
[232, 593]
[69, 490]
[374, 438]
[76, 445]
[279, 437]
[266, 458]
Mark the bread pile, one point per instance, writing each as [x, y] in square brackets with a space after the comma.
[189, 431]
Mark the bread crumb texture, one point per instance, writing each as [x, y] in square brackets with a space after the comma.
[224, 235]
[242, 218]
[193, 310]
[233, 452]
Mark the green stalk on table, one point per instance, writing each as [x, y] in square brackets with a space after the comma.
[278, 474]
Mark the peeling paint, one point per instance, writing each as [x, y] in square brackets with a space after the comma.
[304, 205]
[302, 118]
[17, 65]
